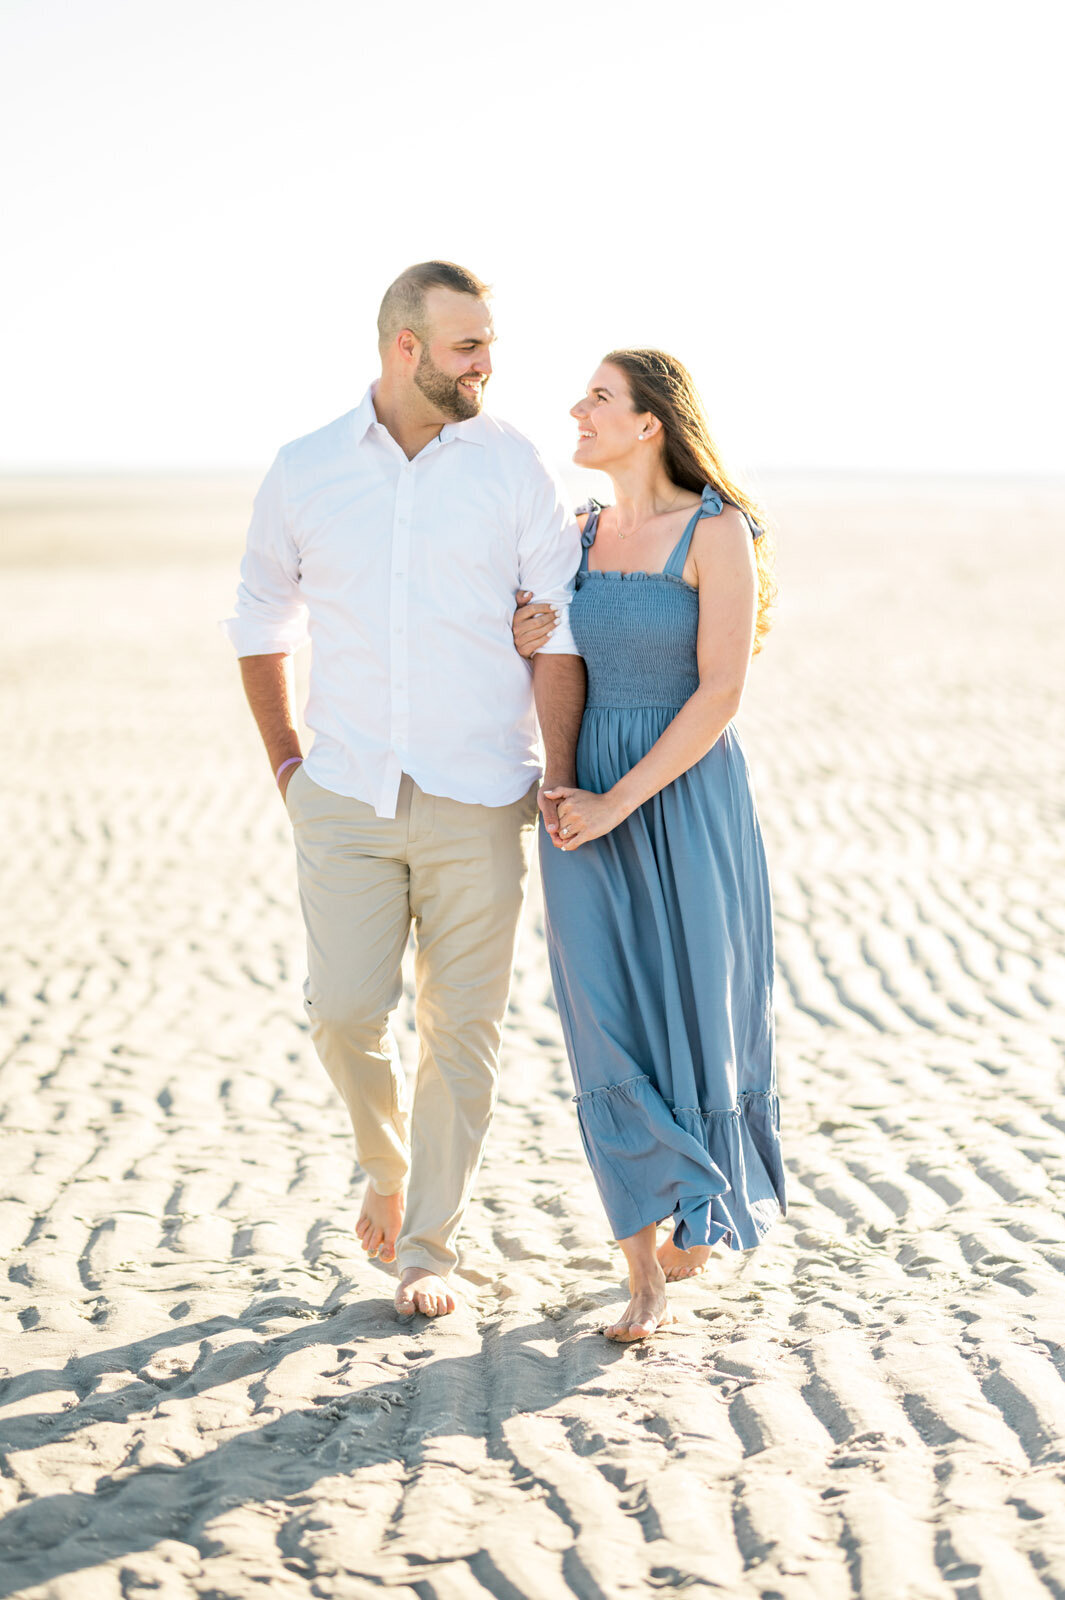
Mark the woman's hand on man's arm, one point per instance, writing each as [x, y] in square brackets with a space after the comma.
[532, 624]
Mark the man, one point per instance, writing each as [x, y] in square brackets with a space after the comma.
[396, 538]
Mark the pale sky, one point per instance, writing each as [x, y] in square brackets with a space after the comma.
[845, 217]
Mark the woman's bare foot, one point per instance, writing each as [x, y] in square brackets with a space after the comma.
[379, 1223]
[421, 1290]
[677, 1264]
[647, 1310]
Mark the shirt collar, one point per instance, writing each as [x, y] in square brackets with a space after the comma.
[364, 417]
[472, 431]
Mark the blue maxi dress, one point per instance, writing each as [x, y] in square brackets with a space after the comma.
[660, 935]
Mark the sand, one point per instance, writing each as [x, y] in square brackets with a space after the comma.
[204, 1390]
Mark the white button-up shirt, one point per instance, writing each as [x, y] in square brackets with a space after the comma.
[402, 574]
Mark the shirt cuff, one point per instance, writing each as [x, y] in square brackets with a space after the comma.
[250, 638]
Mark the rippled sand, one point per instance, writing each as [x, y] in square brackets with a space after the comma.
[204, 1390]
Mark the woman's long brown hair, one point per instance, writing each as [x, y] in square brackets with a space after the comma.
[662, 385]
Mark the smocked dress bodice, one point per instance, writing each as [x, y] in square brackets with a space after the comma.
[638, 631]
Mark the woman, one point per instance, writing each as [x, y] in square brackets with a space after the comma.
[656, 892]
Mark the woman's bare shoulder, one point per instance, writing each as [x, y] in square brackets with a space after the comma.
[724, 537]
[730, 520]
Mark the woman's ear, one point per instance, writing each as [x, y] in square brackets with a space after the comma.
[649, 426]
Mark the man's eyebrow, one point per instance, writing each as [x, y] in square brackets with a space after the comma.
[472, 338]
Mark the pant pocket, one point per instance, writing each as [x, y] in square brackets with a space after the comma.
[289, 795]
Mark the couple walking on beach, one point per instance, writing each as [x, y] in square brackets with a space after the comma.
[453, 602]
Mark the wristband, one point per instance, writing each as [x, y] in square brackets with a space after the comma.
[291, 762]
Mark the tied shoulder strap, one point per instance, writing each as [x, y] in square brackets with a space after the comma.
[593, 508]
[711, 505]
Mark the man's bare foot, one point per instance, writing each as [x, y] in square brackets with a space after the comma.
[677, 1264]
[647, 1311]
[421, 1290]
[379, 1223]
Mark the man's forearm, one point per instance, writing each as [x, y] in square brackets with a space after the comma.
[559, 685]
[268, 686]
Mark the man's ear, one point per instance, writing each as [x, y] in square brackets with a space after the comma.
[409, 345]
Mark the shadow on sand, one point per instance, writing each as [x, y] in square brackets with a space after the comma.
[136, 1507]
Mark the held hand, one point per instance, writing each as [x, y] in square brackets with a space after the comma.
[532, 624]
[583, 816]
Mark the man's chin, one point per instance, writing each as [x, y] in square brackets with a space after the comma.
[466, 406]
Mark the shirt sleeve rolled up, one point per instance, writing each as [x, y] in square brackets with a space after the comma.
[270, 617]
[549, 553]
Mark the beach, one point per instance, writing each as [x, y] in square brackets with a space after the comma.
[204, 1390]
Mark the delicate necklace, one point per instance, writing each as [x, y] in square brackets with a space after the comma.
[664, 513]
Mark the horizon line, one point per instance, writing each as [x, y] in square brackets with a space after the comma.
[237, 470]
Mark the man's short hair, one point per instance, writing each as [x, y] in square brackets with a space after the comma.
[404, 303]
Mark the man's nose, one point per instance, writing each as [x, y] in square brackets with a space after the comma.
[484, 364]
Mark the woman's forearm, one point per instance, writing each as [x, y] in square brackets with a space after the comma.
[693, 732]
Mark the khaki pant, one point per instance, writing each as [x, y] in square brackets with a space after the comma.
[459, 872]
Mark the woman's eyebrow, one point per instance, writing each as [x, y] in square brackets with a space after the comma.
[603, 391]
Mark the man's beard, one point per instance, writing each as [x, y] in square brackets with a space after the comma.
[444, 391]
